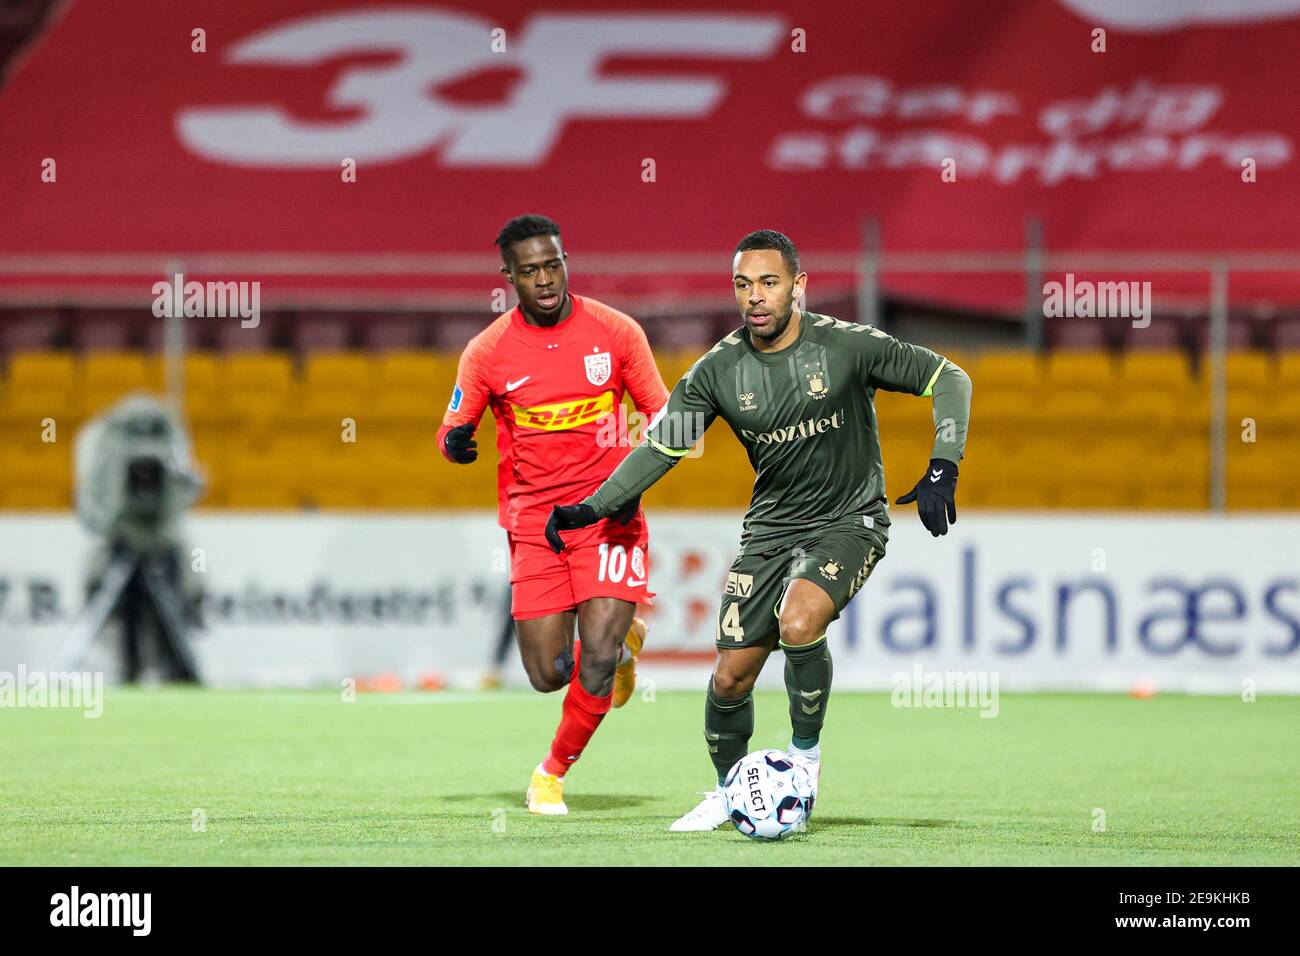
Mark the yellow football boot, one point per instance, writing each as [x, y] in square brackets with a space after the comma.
[625, 673]
[546, 794]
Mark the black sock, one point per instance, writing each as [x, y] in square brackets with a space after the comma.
[728, 725]
[808, 673]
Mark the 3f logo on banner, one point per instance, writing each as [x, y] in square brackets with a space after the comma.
[559, 56]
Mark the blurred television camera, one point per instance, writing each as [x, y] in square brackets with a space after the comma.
[135, 480]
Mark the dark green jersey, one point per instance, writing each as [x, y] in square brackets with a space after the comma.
[807, 420]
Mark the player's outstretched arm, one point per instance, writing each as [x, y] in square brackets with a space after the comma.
[671, 435]
[616, 498]
[469, 398]
[936, 493]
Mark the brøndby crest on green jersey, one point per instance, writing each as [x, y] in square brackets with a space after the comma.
[817, 387]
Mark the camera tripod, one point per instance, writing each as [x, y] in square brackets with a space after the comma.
[131, 579]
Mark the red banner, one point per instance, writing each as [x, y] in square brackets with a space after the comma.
[655, 128]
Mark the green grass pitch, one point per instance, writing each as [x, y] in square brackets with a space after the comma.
[305, 778]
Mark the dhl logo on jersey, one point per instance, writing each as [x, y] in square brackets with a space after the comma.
[567, 414]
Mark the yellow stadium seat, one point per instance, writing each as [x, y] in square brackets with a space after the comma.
[1261, 461]
[1193, 411]
[258, 371]
[40, 386]
[341, 371]
[1080, 369]
[327, 406]
[445, 374]
[414, 371]
[255, 388]
[405, 405]
[905, 461]
[1074, 430]
[999, 409]
[1104, 478]
[1249, 401]
[1254, 498]
[300, 448]
[1160, 497]
[22, 410]
[204, 400]
[1124, 453]
[1261, 475]
[1287, 370]
[125, 370]
[405, 497]
[201, 372]
[53, 370]
[1249, 369]
[1285, 412]
[1012, 496]
[1155, 369]
[96, 401]
[256, 409]
[28, 498]
[1142, 411]
[456, 486]
[37, 476]
[259, 498]
[902, 414]
[337, 498]
[255, 480]
[1094, 497]
[1020, 369]
[388, 468]
[210, 448]
[1071, 411]
[1184, 454]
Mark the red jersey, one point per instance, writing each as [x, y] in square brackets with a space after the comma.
[552, 390]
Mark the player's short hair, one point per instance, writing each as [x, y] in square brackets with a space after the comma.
[525, 227]
[771, 239]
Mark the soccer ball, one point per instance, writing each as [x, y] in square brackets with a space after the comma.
[768, 795]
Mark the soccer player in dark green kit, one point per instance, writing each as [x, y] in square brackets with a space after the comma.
[796, 388]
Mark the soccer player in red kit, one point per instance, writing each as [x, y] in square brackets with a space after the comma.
[553, 370]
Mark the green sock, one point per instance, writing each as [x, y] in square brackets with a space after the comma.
[808, 683]
[728, 725]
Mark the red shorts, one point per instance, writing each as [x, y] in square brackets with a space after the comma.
[605, 560]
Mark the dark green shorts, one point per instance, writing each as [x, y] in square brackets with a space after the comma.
[839, 560]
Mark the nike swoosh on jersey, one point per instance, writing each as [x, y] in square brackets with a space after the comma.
[511, 386]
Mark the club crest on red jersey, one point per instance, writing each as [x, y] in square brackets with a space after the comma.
[598, 367]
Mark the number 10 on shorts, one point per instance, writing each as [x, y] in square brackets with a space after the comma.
[614, 563]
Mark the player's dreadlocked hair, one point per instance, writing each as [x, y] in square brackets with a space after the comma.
[771, 239]
[525, 227]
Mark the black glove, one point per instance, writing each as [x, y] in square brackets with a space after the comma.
[935, 497]
[461, 445]
[625, 514]
[566, 518]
